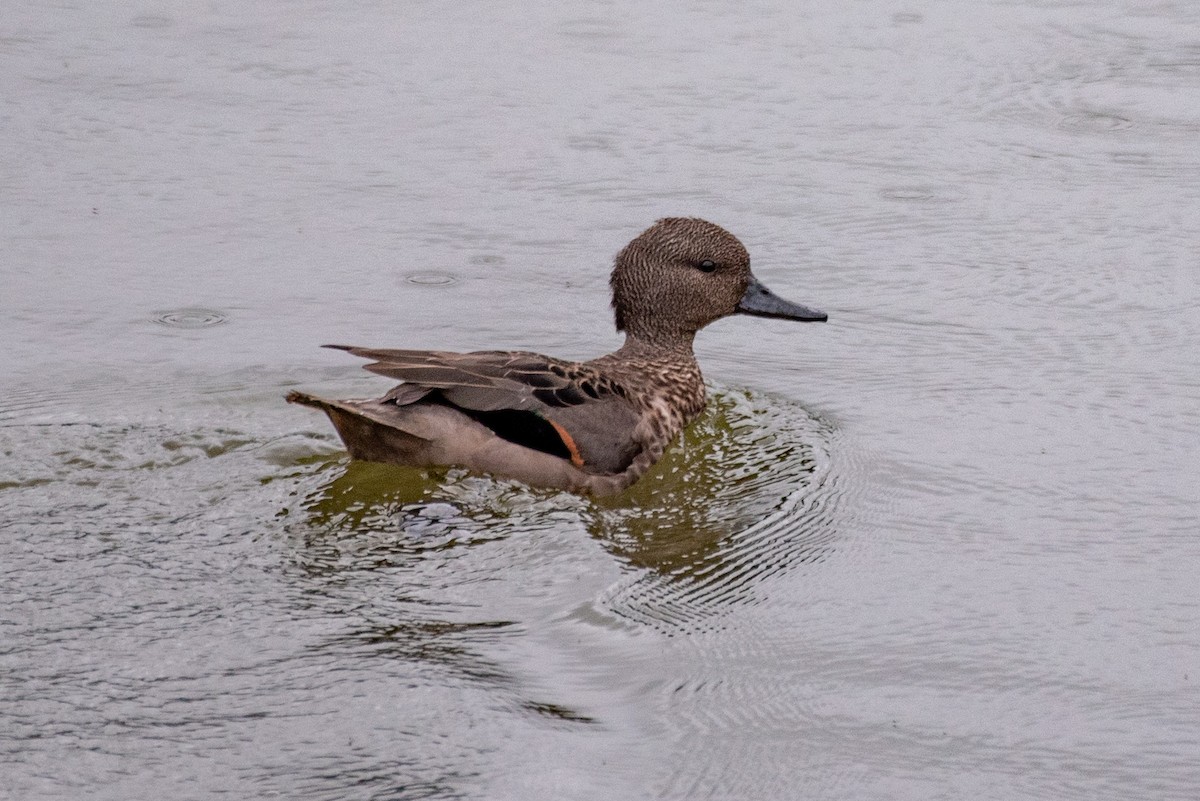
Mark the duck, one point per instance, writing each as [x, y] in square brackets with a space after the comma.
[588, 427]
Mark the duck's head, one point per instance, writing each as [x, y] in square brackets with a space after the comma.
[681, 274]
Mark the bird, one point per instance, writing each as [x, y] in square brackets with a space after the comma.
[589, 427]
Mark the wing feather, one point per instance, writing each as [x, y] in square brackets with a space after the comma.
[592, 410]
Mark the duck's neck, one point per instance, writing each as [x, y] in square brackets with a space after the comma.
[663, 374]
[658, 347]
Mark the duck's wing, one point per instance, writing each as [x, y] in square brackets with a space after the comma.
[548, 404]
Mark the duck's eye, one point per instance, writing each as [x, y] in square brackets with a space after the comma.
[706, 266]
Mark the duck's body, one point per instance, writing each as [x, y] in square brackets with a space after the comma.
[592, 427]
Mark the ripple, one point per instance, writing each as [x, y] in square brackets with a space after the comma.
[1093, 121]
[23, 403]
[151, 22]
[1120, 83]
[747, 492]
[431, 279]
[1184, 62]
[1114, 287]
[918, 194]
[89, 454]
[592, 143]
[192, 317]
[593, 30]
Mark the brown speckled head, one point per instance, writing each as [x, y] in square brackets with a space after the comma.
[681, 274]
[676, 277]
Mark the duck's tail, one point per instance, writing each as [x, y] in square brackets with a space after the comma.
[304, 399]
[372, 431]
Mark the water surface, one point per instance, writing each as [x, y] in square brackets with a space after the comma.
[939, 547]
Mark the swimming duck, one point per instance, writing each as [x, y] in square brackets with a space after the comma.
[592, 427]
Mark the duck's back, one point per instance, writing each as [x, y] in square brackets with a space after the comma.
[569, 410]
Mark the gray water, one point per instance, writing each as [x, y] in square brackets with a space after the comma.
[944, 546]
